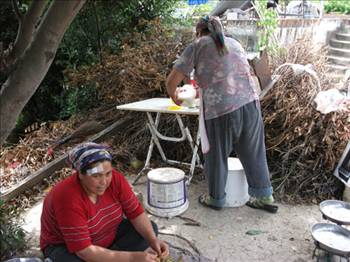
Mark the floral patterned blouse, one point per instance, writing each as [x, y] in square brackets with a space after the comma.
[226, 81]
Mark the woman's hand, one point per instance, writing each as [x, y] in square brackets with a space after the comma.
[175, 98]
[160, 247]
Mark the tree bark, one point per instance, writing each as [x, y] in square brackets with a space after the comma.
[34, 64]
[99, 39]
[18, 13]
[26, 29]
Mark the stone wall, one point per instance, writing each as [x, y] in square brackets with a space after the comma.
[321, 30]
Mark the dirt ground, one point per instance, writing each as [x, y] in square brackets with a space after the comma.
[222, 235]
[284, 236]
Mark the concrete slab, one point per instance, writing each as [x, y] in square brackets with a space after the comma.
[222, 235]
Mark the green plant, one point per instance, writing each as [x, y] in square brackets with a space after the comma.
[267, 25]
[341, 6]
[11, 234]
[102, 24]
[187, 15]
[74, 100]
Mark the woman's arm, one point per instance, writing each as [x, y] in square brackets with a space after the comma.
[95, 253]
[173, 80]
[143, 225]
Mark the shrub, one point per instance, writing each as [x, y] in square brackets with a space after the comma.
[341, 6]
[11, 234]
[74, 100]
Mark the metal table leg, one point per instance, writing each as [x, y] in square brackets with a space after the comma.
[195, 157]
[156, 136]
[150, 148]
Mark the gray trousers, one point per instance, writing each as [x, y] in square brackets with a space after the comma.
[242, 131]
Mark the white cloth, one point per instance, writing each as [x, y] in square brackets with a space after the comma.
[202, 130]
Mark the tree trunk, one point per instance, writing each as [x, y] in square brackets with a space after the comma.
[26, 30]
[34, 64]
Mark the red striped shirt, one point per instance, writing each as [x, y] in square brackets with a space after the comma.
[69, 217]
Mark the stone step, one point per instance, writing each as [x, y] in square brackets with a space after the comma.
[346, 194]
[342, 36]
[339, 52]
[339, 44]
[345, 29]
[339, 69]
[335, 78]
[338, 60]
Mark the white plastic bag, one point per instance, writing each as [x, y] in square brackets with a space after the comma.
[331, 100]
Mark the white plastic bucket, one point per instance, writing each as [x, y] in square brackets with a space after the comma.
[166, 192]
[236, 185]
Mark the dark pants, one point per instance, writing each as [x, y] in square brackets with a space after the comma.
[127, 239]
[242, 131]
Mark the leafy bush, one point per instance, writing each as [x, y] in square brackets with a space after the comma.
[341, 6]
[102, 24]
[268, 23]
[11, 235]
[74, 100]
[188, 15]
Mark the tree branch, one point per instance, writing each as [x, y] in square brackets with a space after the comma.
[18, 13]
[35, 62]
[26, 29]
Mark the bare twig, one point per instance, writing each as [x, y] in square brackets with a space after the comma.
[185, 239]
[190, 221]
[183, 250]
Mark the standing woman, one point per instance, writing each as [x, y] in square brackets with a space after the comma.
[230, 113]
[94, 215]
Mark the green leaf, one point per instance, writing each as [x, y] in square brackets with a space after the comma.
[254, 232]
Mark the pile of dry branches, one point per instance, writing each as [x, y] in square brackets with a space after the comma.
[303, 145]
[140, 70]
[29, 154]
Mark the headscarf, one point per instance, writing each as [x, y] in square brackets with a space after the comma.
[213, 25]
[85, 154]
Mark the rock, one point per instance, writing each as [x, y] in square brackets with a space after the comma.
[136, 164]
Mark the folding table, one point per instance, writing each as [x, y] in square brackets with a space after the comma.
[160, 106]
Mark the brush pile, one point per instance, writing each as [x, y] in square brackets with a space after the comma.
[29, 154]
[140, 70]
[303, 145]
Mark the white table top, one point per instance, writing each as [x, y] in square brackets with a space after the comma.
[157, 105]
